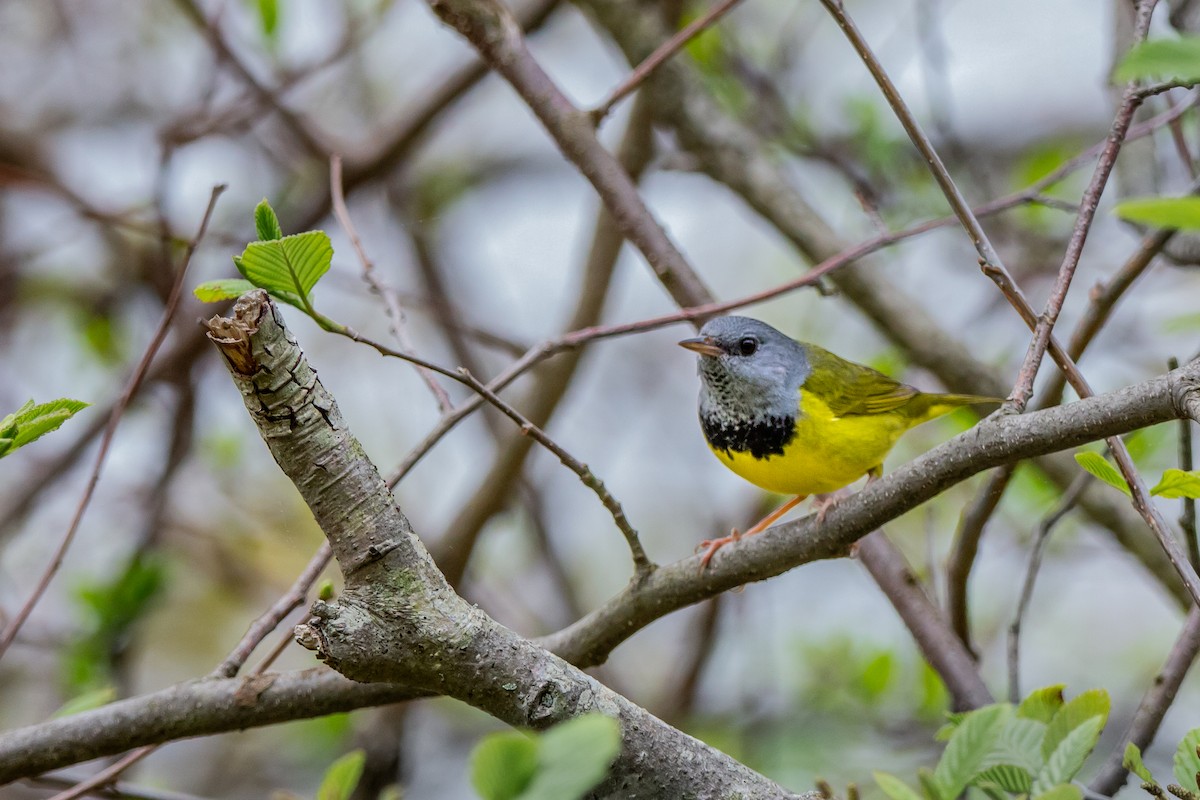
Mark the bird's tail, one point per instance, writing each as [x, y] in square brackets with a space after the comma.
[935, 405]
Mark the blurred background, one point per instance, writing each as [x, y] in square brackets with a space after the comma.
[118, 118]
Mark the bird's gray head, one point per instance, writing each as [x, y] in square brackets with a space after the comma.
[748, 369]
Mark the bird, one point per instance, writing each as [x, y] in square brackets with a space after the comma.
[795, 419]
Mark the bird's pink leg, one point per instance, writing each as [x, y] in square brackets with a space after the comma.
[711, 546]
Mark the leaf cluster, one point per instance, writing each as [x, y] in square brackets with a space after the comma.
[1032, 750]
[32, 421]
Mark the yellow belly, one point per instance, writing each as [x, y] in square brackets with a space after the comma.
[826, 453]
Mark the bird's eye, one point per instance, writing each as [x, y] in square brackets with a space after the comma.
[747, 346]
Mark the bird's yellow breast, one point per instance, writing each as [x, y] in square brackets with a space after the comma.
[826, 453]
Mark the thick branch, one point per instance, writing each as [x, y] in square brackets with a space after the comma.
[398, 620]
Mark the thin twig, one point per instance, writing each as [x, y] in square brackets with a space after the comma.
[131, 386]
[106, 775]
[1068, 501]
[653, 61]
[118, 791]
[966, 546]
[390, 301]
[1154, 705]
[1083, 222]
[642, 564]
[269, 620]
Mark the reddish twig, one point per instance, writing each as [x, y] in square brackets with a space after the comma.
[131, 386]
[653, 61]
[106, 775]
[643, 566]
[391, 303]
[1068, 501]
[966, 546]
[261, 628]
[1132, 99]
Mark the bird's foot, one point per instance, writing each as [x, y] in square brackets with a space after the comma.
[711, 546]
[823, 502]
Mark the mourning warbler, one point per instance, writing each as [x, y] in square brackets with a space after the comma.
[793, 418]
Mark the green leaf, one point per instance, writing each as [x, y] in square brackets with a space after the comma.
[1162, 212]
[503, 764]
[1008, 777]
[1133, 762]
[969, 747]
[265, 221]
[1042, 704]
[219, 291]
[1177, 483]
[895, 788]
[1020, 743]
[573, 757]
[1187, 761]
[288, 268]
[1095, 464]
[1171, 59]
[31, 422]
[877, 675]
[342, 776]
[1069, 755]
[1061, 792]
[930, 786]
[1092, 703]
[268, 15]
[93, 698]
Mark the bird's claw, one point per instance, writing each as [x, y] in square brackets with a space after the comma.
[711, 546]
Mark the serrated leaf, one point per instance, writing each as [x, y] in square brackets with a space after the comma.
[1172, 59]
[266, 224]
[503, 764]
[967, 751]
[1187, 760]
[1099, 468]
[1042, 704]
[1008, 777]
[1061, 792]
[33, 421]
[342, 776]
[1092, 703]
[1177, 483]
[573, 757]
[87, 701]
[225, 289]
[895, 788]
[1162, 212]
[1019, 743]
[1068, 756]
[288, 268]
[1133, 762]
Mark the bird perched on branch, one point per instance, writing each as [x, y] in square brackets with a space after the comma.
[793, 418]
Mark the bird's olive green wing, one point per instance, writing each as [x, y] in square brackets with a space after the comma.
[852, 389]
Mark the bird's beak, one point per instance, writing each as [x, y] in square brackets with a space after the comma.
[704, 345]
